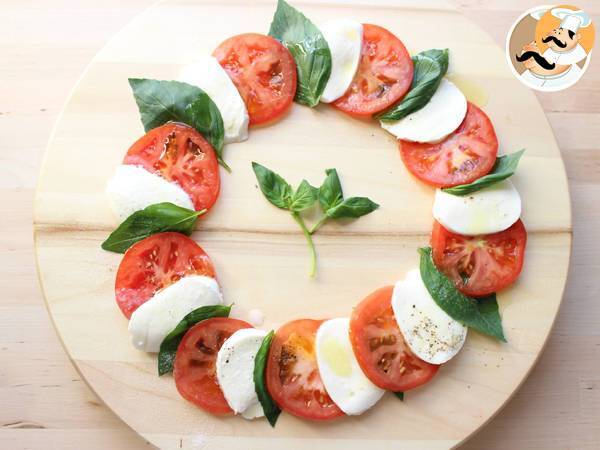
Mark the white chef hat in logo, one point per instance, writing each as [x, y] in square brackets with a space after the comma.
[572, 20]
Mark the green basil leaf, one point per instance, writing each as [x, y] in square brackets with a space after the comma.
[168, 347]
[269, 406]
[480, 314]
[304, 197]
[429, 68]
[204, 116]
[352, 207]
[309, 49]
[504, 167]
[274, 188]
[153, 219]
[400, 395]
[161, 101]
[330, 192]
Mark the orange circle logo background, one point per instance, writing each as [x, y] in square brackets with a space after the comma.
[548, 22]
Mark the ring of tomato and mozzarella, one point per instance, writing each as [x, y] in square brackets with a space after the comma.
[178, 160]
[383, 77]
[292, 373]
[489, 210]
[153, 264]
[235, 371]
[466, 154]
[380, 348]
[344, 38]
[194, 370]
[483, 264]
[431, 334]
[154, 319]
[442, 115]
[209, 76]
[342, 376]
[133, 188]
[263, 71]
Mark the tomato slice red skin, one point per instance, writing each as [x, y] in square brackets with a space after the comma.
[383, 77]
[489, 274]
[264, 73]
[380, 349]
[154, 263]
[180, 154]
[429, 162]
[194, 370]
[292, 341]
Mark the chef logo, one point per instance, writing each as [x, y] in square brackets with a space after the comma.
[549, 47]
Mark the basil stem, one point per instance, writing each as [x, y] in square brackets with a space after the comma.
[317, 225]
[311, 245]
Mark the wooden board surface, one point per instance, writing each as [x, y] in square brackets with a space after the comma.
[101, 118]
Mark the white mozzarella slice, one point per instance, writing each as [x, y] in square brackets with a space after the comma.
[235, 371]
[344, 38]
[487, 211]
[133, 188]
[436, 120]
[430, 333]
[342, 377]
[153, 320]
[209, 76]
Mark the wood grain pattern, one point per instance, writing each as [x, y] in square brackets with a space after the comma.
[557, 408]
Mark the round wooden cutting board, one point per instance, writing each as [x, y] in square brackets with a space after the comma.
[260, 254]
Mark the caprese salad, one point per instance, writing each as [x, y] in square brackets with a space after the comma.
[398, 337]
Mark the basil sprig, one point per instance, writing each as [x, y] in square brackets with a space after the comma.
[269, 406]
[281, 194]
[430, 67]
[309, 49]
[504, 167]
[400, 395]
[168, 347]
[153, 219]
[330, 196]
[333, 204]
[480, 314]
[161, 101]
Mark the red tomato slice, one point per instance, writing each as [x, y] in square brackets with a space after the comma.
[179, 153]
[292, 375]
[379, 346]
[463, 156]
[264, 72]
[384, 74]
[195, 371]
[480, 265]
[154, 263]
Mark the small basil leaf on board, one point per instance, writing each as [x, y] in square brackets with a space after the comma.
[161, 101]
[330, 192]
[505, 167]
[352, 207]
[274, 187]
[153, 219]
[309, 49]
[480, 314]
[168, 347]
[400, 395]
[304, 197]
[429, 68]
[269, 407]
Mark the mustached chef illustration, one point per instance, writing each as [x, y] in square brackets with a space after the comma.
[555, 59]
